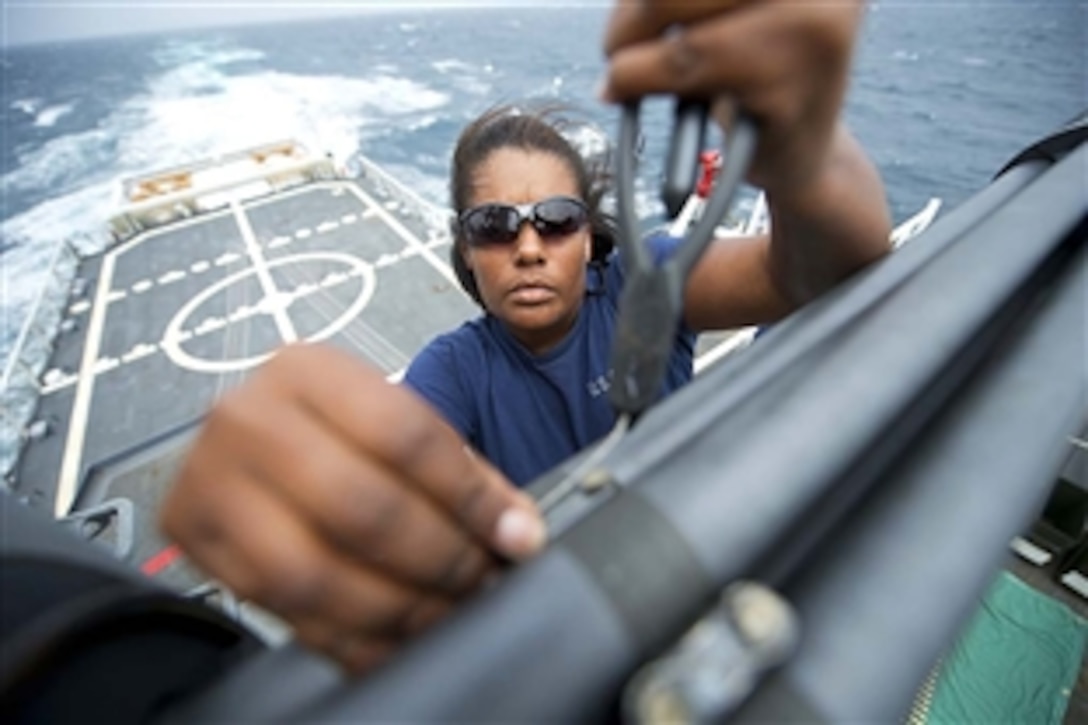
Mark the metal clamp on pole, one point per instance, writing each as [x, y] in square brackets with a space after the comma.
[719, 662]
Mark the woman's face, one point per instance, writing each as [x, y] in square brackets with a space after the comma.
[534, 286]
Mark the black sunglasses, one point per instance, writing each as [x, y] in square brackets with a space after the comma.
[496, 224]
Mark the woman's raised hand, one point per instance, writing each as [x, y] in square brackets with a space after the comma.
[786, 63]
[342, 503]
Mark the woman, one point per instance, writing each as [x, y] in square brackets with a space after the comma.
[355, 510]
[525, 385]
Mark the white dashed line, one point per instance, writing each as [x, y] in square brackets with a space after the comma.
[142, 286]
[79, 307]
[56, 379]
[210, 325]
[104, 364]
[348, 219]
[138, 351]
[242, 313]
[172, 276]
[413, 242]
[278, 242]
[303, 234]
[334, 278]
[325, 227]
[224, 259]
[201, 266]
[180, 336]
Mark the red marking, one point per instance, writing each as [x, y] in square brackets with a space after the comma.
[160, 561]
[710, 162]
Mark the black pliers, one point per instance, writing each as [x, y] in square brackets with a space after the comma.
[652, 299]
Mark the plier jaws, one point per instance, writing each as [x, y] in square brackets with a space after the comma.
[651, 305]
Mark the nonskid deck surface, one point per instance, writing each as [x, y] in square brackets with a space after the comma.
[176, 316]
[171, 319]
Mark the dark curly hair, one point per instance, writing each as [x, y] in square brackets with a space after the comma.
[537, 129]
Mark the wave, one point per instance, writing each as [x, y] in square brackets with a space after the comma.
[452, 64]
[208, 52]
[192, 110]
[29, 106]
[466, 77]
[51, 115]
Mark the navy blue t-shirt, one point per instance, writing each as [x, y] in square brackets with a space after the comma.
[525, 413]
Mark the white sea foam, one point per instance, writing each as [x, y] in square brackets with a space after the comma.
[180, 53]
[328, 113]
[51, 115]
[29, 106]
[465, 76]
[422, 122]
[24, 265]
[54, 163]
[430, 187]
[452, 64]
[192, 110]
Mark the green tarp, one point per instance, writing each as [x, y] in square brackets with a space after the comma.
[1017, 662]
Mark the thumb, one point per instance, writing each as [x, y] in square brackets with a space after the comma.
[520, 531]
[515, 527]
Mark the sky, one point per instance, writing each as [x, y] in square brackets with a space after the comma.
[36, 21]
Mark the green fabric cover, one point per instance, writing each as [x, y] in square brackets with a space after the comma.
[1017, 661]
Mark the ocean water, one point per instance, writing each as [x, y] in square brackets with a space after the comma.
[943, 94]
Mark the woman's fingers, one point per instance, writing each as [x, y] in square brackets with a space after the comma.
[397, 430]
[364, 509]
[343, 504]
[265, 552]
[785, 63]
[262, 550]
[635, 21]
[702, 60]
[754, 46]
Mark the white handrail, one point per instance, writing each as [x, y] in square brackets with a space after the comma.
[438, 216]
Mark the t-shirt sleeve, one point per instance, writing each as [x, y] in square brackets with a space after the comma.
[435, 376]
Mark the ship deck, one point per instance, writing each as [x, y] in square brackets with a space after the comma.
[166, 322]
[171, 319]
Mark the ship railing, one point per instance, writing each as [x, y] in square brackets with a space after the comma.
[433, 215]
[20, 386]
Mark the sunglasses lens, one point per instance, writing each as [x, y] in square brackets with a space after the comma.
[491, 224]
[559, 217]
[497, 224]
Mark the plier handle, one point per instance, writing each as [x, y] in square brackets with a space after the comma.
[651, 304]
